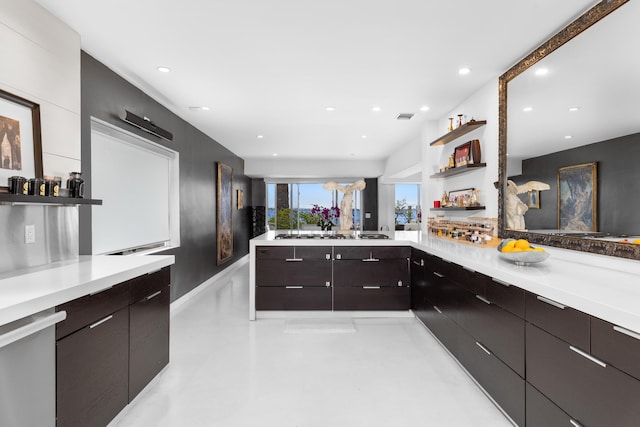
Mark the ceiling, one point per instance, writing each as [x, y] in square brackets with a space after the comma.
[270, 68]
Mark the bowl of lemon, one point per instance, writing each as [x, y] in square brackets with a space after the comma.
[521, 252]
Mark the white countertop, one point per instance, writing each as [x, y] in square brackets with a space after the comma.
[32, 290]
[602, 286]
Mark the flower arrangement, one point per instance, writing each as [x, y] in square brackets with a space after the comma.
[326, 216]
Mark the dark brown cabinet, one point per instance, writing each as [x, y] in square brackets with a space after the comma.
[109, 347]
[294, 277]
[564, 322]
[617, 346]
[541, 412]
[371, 278]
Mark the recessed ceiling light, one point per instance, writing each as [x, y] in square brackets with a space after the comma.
[527, 109]
[424, 108]
[199, 108]
[330, 108]
[464, 71]
[275, 154]
[260, 136]
[164, 69]
[574, 109]
[542, 72]
[568, 137]
[376, 108]
[364, 136]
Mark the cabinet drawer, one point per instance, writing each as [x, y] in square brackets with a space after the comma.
[469, 279]
[615, 345]
[541, 412]
[383, 272]
[92, 373]
[148, 339]
[148, 284]
[307, 272]
[507, 296]
[371, 298]
[564, 322]
[293, 298]
[596, 395]
[274, 252]
[445, 329]
[90, 308]
[504, 385]
[366, 252]
[498, 330]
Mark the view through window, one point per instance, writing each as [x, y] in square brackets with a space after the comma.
[408, 207]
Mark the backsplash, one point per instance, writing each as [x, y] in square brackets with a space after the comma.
[56, 235]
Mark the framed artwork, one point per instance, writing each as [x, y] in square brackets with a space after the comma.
[224, 217]
[240, 199]
[20, 139]
[461, 198]
[577, 197]
[533, 199]
[462, 153]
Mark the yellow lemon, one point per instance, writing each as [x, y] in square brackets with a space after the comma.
[522, 244]
[537, 249]
[508, 247]
[636, 242]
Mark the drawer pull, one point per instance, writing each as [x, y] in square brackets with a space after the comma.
[153, 295]
[574, 423]
[294, 287]
[294, 260]
[551, 302]
[100, 322]
[588, 356]
[437, 309]
[500, 282]
[100, 291]
[484, 300]
[468, 269]
[483, 348]
[627, 332]
[370, 260]
[419, 264]
[371, 287]
[440, 275]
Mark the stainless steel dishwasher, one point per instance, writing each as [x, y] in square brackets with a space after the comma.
[28, 370]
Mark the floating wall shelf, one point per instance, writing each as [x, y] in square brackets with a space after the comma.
[460, 208]
[458, 170]
[20, 199]
[458, 132]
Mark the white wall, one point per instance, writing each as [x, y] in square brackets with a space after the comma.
[313, 168]
[41, 63]
[483, 105]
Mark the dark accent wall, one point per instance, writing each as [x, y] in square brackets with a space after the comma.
[618, 176]
[370, 204]
[105, 95]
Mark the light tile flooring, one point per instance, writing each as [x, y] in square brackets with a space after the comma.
[228, 371]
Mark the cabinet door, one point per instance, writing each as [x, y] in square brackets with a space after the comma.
[541, 412]
[566, 323]
[371, 298]
[293, 298]
[595, 393]
[374, 272]
[147, 284]
[507, 296]
[445, 329]
[92, 372]
[148, 339]
[418, 282]
[616, 345]
[504, 385]
[293, 272]
[368, 252]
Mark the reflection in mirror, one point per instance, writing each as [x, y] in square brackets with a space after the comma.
[572, 125]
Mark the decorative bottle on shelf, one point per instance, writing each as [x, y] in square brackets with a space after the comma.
[476, 154]
[460, 120]
[450, 124]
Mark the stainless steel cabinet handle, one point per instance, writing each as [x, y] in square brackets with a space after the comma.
[419, 264]
[574, 423]
[440, 275]
[294, 287]
[551, 302]
[100, 322]
[371, 287]
[484, 300]
[294, 259]
[588, 356]
[437, 309]
[500, 282]
[627, 332]
[483, 348]
[370, 260]
[153, 295]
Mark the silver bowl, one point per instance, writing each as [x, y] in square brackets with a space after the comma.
[521, 258]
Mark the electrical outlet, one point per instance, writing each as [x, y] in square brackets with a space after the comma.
[29, 233]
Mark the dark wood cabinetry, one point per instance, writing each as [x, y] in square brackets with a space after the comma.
[564, 322]
[617, 346]
[109, 347]
[294, 278]
[371, 278]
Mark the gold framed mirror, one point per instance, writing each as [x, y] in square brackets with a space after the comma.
[522, 141]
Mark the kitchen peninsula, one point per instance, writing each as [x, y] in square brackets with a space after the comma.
[572, 320]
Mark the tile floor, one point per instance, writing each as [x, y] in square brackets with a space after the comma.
[228, 371]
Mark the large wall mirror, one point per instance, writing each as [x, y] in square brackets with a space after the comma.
[569, 137]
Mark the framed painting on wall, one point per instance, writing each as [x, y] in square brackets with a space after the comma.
[224, 216]
[20, 139]
[533, 199]
[577, 197]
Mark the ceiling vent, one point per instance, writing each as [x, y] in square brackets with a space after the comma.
[404, 116]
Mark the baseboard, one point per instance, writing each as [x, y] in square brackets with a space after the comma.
[180, 302]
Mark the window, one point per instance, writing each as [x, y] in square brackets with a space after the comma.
[408, 207]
